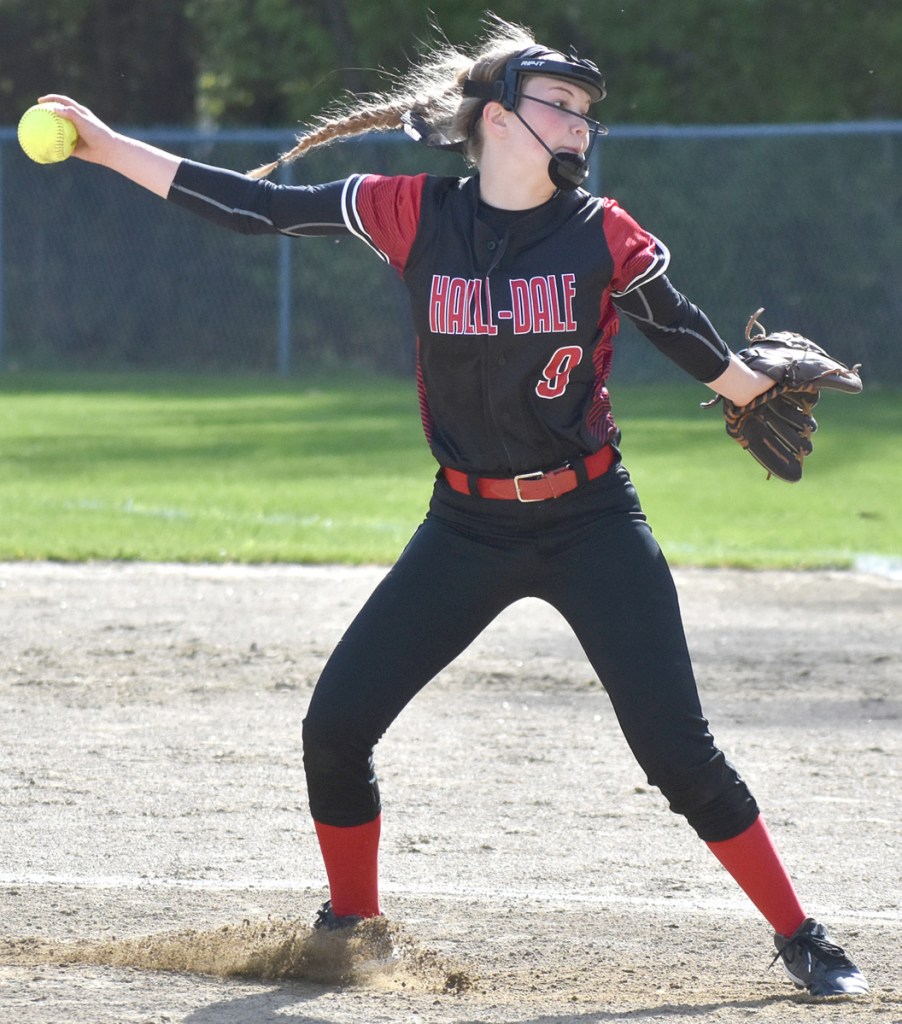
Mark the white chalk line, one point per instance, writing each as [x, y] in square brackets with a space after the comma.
[737, 907]
[879, 565]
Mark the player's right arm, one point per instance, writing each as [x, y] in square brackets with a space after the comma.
[152, 168]
[230, 199]
[383, 212]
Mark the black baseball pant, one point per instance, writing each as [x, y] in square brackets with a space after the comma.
[592, 556]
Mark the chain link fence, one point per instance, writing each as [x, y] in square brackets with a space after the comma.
[96, 274]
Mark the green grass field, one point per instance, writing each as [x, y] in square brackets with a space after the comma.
[260, 470]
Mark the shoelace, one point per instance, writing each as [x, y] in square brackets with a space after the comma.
[328, 919]
[829, 954]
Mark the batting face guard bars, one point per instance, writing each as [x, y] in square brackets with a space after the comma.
[566, 170]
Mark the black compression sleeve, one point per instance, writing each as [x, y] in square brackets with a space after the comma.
[258, 207]
[678, 328]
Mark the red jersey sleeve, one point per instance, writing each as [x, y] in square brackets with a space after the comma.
[638, 256]
[385, 213]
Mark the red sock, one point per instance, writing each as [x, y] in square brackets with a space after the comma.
[351, 856]
[752, 859]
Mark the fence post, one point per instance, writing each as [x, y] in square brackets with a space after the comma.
[284, 290]
[2, 267]
[594, 184]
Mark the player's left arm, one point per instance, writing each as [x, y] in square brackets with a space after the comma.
[682, 332]
[641, 290]
[740, 383]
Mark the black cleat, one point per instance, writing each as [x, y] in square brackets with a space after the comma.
[814, 963]
[327, 919]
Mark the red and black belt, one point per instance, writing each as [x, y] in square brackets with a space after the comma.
[534, 486]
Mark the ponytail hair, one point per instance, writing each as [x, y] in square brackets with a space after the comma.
[431, 88]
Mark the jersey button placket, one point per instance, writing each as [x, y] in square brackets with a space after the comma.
[496, 247]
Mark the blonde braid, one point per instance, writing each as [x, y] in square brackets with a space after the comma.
[370, 118]
[432, 89]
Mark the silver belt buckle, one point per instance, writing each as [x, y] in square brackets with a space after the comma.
[538, 475]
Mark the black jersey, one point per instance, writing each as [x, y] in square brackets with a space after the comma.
[515, 312]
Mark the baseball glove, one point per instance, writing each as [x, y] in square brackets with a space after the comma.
[776, 427]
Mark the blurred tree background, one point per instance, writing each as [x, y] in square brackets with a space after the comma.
[278, 62]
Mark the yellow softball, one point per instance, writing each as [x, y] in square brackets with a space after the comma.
[45, 136]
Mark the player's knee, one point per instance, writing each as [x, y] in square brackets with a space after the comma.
[332, 737]
[341, 779]
[712, 797]
[322, 746]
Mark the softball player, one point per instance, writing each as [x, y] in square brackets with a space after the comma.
[517, 277]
